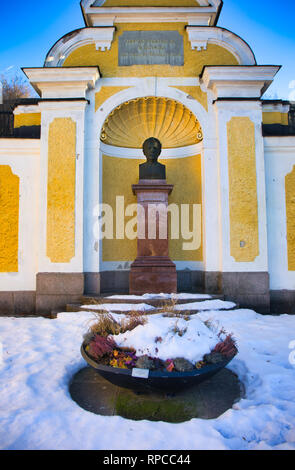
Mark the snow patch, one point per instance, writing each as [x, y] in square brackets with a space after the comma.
[193, 341]
[181, 296]
[120, 307]
[215, 304]
[40, 357]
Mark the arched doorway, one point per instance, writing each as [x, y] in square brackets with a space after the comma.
[122, 135]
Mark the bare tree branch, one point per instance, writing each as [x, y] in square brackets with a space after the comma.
[14, 88]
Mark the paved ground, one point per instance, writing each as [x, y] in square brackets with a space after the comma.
[208, 400]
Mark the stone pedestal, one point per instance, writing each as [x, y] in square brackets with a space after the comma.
[152, 271]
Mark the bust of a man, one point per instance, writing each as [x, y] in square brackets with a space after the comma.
[152, 169]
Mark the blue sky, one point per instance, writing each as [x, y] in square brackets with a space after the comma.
[28, 28]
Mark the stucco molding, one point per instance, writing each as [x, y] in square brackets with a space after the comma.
[128, 126]
[62, 108]
[100, 3]
[284, 144]
[101, 37]
[67, 82]
[98, 15]
[169, 154]
[19, 147]
[275, 107]
[236, 81]
[200, 37]
[26, 109]
[142, 91]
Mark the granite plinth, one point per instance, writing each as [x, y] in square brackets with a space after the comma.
[155, 274]
[153, 270]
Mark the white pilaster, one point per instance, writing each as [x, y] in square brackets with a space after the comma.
[50, 111]
[225, 111]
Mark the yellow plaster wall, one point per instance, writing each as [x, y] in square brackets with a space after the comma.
[27, 119]
[118, 176]
[242, 189]
[105, 93]
[290, 210]
[61, 190]
[9, 220]
[275, 118]
[196, 93]
[108, 60]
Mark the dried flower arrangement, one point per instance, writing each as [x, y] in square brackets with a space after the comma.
[100, 345]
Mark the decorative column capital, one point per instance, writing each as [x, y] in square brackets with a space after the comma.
[62, 82]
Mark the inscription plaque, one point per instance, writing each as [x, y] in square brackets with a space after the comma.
[151, 48]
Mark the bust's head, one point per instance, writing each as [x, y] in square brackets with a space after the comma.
[152, 148]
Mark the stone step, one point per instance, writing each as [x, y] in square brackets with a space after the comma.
[97, 310]
[74, 308]
[154, 302]
[85, 308]
[54, 313]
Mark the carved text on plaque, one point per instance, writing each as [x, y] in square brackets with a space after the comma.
[151, 48]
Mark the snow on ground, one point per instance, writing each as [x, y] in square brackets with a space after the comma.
[193, 341]
[181, 296]
[120, 307]
[40, 356]
[214, 304]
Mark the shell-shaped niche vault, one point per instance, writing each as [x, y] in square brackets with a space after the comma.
[134, 121]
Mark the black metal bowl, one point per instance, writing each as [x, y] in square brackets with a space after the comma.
[156, 380]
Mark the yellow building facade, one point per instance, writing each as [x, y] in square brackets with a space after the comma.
[141, 69]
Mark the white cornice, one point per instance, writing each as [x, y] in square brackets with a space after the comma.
[66, 82]
[63, 105]
[100, 3]
[190, 16]
[101, 37]
[281, 144]
[20, 147]
[275, 107]
[200, 37]
[107, 16]
[239, 81]
[25, 109]
[149, 15]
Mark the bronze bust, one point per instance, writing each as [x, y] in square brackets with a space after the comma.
[152, 169]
